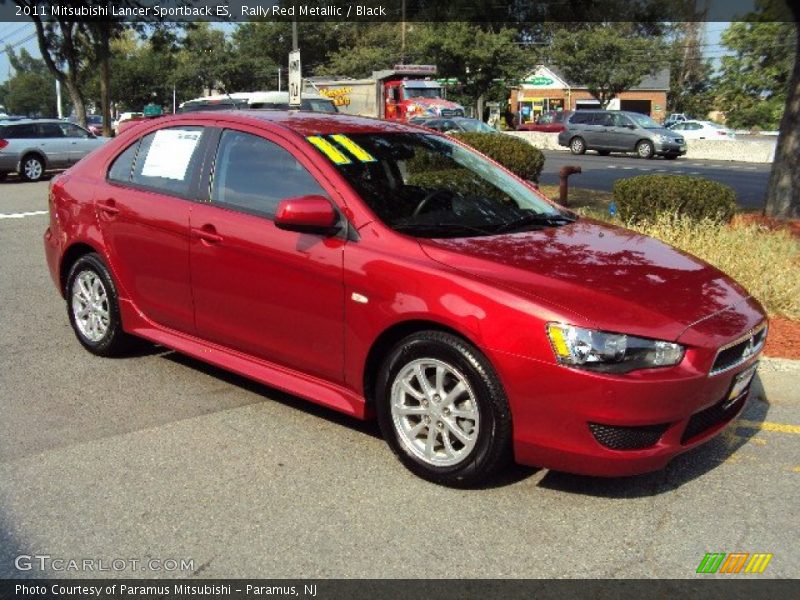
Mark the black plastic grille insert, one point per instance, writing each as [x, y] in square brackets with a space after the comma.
[627, 438]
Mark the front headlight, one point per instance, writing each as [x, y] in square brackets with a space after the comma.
[609, 352]
[664, 138]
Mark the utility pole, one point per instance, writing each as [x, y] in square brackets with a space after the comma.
[294, 34]
[59, 110]
[403, 33]
[279, 79]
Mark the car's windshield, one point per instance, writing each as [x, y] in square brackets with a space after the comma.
[644, 121]
[319, 105]
[420, 92]
[429, 186]
[475, 125]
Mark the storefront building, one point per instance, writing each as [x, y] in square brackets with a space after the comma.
[546, 89]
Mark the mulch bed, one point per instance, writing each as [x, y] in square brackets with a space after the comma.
[783, 339]
[791, 225]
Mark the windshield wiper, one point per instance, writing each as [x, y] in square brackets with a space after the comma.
[534, 219]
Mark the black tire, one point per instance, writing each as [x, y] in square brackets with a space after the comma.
[114, 341]
[3, 175]
[604, 152]
[492, 445]
[31, 167]
[645, 149]
[577, 145]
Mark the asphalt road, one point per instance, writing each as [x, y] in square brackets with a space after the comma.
[749, 180]
[160, 456]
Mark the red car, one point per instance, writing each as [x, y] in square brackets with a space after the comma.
[386, 270]
[549, 122]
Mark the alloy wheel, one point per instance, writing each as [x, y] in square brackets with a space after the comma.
[90, 306]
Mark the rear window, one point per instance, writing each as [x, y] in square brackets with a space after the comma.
[163, 161]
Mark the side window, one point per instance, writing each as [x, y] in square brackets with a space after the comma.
[50, 130]
[22, 131]
[167, 158]
[678, 127]
[253, 175]
[123, 165]
[73, 131]
[580, 118]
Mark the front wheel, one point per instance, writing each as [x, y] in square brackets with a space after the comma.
[645, 149]
[442, 409]
[93, 307]
[577, 145]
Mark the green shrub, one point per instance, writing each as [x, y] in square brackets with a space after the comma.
[515, 154]
[646, 197]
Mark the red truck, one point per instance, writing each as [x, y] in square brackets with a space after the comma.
[397, 94]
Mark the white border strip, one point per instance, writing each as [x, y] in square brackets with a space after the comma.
[22, 215]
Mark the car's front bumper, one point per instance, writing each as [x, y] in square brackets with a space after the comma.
[670, 148]
[590, 423]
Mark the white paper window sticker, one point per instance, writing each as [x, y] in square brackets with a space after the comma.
[170, 153]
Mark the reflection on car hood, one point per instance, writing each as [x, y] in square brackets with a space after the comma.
[615, 278]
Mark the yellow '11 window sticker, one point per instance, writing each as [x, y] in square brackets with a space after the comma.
[334, 154]
[354, 149]
[329, 150]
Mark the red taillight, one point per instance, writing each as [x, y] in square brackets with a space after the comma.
[3, 144]
[722, 132]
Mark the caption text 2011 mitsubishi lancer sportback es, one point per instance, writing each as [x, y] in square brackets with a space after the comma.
[385, 270]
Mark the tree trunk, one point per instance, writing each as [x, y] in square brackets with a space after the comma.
[783, 195]
[481, 101]
[78, 104]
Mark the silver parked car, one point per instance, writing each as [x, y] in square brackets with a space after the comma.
[32, 146]
[620, 131]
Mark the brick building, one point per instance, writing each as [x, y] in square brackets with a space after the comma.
[546, 88]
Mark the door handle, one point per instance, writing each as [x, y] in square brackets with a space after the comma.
[108, 206]
[208, 234]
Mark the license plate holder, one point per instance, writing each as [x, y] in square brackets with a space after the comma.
[741, 384]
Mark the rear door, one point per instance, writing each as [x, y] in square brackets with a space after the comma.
[53, 144]
[78, 141]
[273, 294]
[143, 211]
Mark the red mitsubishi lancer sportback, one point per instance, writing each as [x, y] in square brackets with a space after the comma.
[383, 269]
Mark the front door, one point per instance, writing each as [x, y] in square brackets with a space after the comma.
[273, 294]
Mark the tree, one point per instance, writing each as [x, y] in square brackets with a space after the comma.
[62, 44]
[691, 75]
[476, 56]
[753, 82]
[783, 194]
[607, 59]
[31, 90]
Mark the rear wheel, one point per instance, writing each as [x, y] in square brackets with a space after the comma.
[93, 307]
[442, 409]
[3, 175]
[577, 145]
[645, 149]
[32, 168]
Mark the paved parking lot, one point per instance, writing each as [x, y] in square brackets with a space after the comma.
[749, 180]
[159, 456]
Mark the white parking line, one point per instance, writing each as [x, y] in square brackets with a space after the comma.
[22, 215]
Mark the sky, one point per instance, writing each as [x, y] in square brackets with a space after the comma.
[22, 35]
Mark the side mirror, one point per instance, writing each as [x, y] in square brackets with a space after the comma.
[307, 214]
[630, 126]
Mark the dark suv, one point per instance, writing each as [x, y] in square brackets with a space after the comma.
[620, 131]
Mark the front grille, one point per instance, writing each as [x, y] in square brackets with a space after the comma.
[711, 417]
[627, 438]
[452, 112]
[738, 352]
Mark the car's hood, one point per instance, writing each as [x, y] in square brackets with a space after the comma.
[614, 278]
